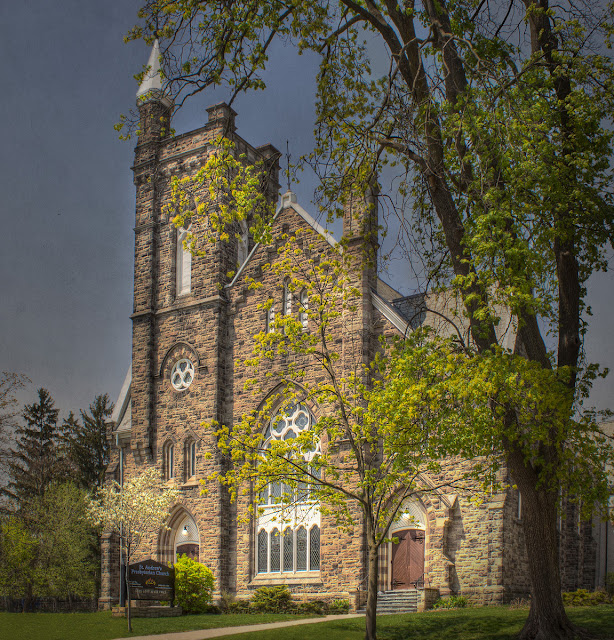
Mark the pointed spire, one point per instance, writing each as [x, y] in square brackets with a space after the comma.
[152, 81]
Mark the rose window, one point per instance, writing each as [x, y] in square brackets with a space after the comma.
[182, 374]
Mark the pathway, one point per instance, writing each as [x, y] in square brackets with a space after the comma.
[203, 634]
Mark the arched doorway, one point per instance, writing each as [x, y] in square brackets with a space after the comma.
[187, 539]
[407, 553]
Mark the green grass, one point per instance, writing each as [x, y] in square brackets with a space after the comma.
[488, 623]
[101, 626]
[494, 623]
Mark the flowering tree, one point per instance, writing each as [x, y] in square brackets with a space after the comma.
[133, 511]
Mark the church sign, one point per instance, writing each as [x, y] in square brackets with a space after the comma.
[151, 580]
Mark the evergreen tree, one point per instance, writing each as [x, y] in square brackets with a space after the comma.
[86, 442]
[35, 462]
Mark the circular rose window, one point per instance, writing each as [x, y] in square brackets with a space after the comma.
[182, 374]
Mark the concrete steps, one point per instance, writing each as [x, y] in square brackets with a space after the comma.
[397, 602]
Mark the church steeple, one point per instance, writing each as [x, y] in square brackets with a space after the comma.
[154, 106]
[151, 86]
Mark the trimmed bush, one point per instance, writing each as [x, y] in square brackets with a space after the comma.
[239, 606]
[453, 602]
[584, 598]
[272, 599]
[339, 606]
[193, 585]
[315, 607]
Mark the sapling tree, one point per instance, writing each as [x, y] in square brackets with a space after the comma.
[367, 452]
[133, 511]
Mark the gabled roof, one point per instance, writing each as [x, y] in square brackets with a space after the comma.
[288, 201]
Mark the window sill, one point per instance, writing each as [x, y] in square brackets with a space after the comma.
[190, 484]
[300, 577]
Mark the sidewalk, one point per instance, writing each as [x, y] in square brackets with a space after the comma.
[202, 634]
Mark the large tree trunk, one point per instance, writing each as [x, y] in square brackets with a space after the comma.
[371, 609]
[547, 618]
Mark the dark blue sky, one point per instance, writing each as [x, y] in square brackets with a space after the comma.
[67, 205]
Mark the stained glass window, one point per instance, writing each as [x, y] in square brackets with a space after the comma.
[314, 548]
[288, 549]
[287, 514]
[301, 549]
[263, 543]
[275, 540]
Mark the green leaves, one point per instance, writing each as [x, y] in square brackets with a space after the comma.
[194, 583]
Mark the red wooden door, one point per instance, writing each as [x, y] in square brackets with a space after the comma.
[407, 558]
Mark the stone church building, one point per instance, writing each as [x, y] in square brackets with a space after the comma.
[191, 325]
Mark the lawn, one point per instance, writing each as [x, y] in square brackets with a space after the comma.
[101, 626]
[488, 623]
[494, 623]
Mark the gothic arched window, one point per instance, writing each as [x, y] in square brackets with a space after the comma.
[169, 461]
[288, 526]
[190, 459]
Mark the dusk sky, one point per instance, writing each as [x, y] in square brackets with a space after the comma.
[66, 246]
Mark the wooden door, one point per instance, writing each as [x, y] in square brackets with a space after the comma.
[407, 558]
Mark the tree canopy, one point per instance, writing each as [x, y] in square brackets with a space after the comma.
[493, 120]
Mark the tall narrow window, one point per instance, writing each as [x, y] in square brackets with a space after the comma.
[190, 459]
[314, 548]
[183, 263]
[287, 303]
[242, 243]
[275, 559]
[169, 461]
[270, 319]
[288, 541]
[263, 548]
[303, 317]
[301, 549]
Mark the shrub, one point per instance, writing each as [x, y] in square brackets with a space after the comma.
[272, 599]
[193, 585]
[315, 607]
[609, 583]
[239, 606]
[584, 598]
[453, 602]
[339, 606]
